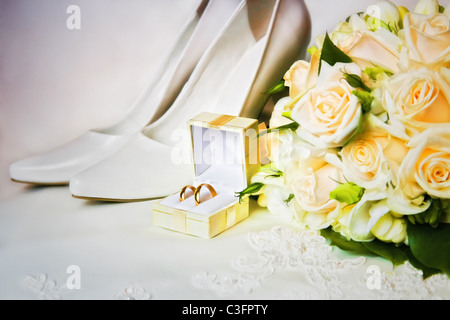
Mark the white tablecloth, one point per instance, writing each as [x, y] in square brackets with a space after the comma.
[53, 246]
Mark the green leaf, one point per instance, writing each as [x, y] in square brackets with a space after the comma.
[386, 250]
[356, 82]
[279, 87]
[426, 271]
[290, 126]
[251, 189]
[397, 254]
[365, 98]
[291, 196]
[343, 243]
[332, 54]
[349, 193]
[430, 246]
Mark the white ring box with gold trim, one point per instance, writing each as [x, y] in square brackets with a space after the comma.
[225, 155]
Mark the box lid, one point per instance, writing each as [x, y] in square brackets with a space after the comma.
[224, 150]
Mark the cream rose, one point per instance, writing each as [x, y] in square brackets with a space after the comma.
[302, 75]
[311, 188]
[367, 48]
[295, 77]
[419, 98]
[427, 38]
[426, 167]
[329, 113]
[372, 160]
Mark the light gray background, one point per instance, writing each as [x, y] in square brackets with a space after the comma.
[57, 83]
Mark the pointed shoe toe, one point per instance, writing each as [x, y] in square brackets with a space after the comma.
[144, 169]
[59, 165]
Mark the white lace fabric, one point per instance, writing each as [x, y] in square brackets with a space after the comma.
[316, 272]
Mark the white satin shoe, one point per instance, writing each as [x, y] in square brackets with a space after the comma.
[251, 55]
[58, 166]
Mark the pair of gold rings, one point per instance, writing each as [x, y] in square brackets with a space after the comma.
[196, 192]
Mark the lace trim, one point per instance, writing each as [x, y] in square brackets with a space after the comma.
[406, 282]
[134, 292]
[320, 273]
[45, 288]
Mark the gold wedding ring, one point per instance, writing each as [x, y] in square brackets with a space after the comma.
[183, 192]
[197, 192]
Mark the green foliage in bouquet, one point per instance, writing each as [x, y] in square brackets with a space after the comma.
[397, 254]
[332, 54]
[431, 246]
[252, 189]
[348, 193]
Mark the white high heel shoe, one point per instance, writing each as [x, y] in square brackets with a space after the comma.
[58, 166]
[261, 41]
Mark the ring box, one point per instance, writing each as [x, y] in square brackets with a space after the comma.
[225, 155]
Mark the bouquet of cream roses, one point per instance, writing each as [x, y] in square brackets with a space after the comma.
[360, 148]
